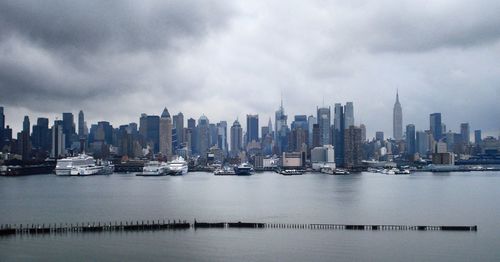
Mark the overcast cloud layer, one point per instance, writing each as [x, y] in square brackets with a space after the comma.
[117, 59]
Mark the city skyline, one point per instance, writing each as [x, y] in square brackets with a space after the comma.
[199, 62]
[370, 134]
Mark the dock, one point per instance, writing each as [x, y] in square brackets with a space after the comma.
[156, 225]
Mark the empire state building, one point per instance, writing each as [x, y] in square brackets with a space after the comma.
[397, 119]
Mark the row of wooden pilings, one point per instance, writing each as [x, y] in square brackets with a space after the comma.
[145, 225]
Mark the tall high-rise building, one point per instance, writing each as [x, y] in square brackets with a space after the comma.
[2, 127]
[192, 132]
[477, 136]
[222, 136]
[397, 119]
[270, 125]
[26, 125]
[213, 136]
[324, 121]
[264, 131]
[410, 139]
[379, 136]
[203, 135]
[153, 132]
[316, 136]
[236, 138]
[68, 128]
[353, 148]
[465, 133]
[311, 120]
[178, 125]
[282, 131]
[143, 125]
[81, 124]
[338, 131]
[436, 126]
[40, 137]
[165, 134]
[363, 132]
[252, 128]
[422, 143]
[348, 115]
[58, 140]
[23, 139]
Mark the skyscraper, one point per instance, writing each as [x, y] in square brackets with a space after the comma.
[165, 134]
[422, 143]
[236, 138]
[397, 120]
[203, 132]
[338, 131]
[222, 136]
[153, 132]
[143, 125]
[68, 128]
[348, 115]
[81, 124]
[324, 121]
[282, 131]
[353, 149]
[2, 127]
[252, 128]
[477, 136]
[465, 133]
[436, 126]
[363, 132]
[410, 139]
[40, 137]
[311, 120]
[26, 125]
[192, 132]
[58, 140]
[178, 124]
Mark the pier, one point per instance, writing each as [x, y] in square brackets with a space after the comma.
[155, 225]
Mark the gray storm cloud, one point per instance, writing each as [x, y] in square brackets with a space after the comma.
[227, 59]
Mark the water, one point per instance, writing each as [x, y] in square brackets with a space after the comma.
[421, 199]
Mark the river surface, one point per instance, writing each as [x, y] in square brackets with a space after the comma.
[471, 198]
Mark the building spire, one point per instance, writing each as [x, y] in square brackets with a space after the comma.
[397, 95]
[281, 99]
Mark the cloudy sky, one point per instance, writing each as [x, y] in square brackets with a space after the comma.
[226, 59]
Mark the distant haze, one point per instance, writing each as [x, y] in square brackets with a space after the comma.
[225, 59]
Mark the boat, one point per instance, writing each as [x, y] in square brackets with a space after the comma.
[101, 168]
[154, 168]
[340, 172]
[336, 171]
[73, 165]
[402, 172]
[291, 172]
[244, 169]
[224, 171]
[20, 170]
[177, 167]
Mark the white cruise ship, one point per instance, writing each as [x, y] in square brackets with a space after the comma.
[154, 168]
[178, 167]
[81, 165]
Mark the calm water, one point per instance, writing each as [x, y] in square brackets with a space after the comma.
[425, 198]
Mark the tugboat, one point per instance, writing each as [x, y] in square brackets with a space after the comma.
[244, 169]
